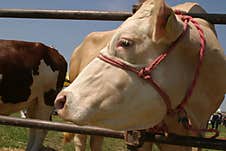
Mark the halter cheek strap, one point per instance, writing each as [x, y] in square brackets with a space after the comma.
[145, 72]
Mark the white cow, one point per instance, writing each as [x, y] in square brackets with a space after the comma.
[103, 95]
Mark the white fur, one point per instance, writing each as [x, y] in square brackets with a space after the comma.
[44, 81]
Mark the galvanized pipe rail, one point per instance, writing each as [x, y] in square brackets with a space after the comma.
[171, 139]
[90, 15]
[64, 14]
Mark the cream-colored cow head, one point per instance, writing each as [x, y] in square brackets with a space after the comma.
[106, 96]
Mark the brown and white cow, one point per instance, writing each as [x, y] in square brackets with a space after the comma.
[31, 75]
[102, 94]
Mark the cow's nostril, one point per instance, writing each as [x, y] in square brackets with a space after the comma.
[60, 101]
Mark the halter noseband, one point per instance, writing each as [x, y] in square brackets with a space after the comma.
[145, 72]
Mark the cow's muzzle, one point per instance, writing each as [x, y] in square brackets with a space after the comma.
[60, 102]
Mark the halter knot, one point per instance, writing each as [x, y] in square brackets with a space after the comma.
[186, 18]
[144, 73]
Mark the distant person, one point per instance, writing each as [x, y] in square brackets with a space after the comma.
[216, 120]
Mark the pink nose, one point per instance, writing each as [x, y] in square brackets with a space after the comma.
[60, 102]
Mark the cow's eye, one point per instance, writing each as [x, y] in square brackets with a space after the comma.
[125, 43]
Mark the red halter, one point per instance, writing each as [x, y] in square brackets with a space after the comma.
[145, 72]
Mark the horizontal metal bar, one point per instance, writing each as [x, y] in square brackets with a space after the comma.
[64, 14]
[90, 15]
[212, 18]
[57, 126]
[171, 139]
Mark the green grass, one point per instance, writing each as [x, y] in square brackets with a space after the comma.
[16, 137]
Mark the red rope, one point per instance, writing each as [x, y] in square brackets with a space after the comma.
[180, 108]
[200, 60]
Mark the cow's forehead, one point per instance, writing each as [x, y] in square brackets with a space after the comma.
[136, 28]
[145, 10]
[140, 22]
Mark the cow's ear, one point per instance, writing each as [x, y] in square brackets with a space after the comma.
[165, 24]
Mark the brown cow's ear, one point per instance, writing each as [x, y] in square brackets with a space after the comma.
[166, 27]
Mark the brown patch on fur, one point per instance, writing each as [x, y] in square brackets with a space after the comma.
[50, 96]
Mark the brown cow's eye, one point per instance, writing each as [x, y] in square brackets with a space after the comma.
[125, 43]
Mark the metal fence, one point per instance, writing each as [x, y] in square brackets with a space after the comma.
[157, 138]
[113, 16]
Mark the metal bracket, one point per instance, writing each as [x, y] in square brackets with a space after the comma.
[134, 139]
